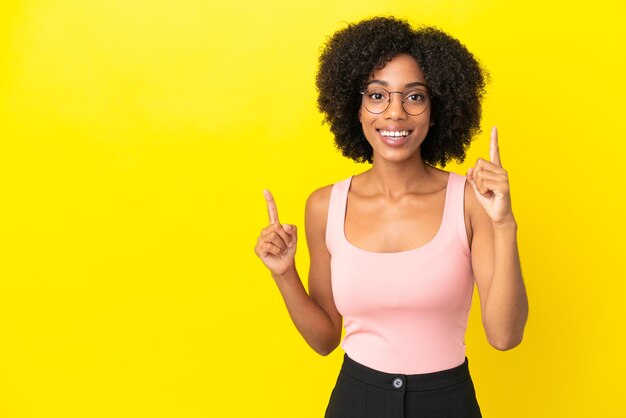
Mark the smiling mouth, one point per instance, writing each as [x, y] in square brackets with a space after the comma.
[393, 134]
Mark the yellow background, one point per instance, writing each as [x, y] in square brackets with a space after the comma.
[136, 138]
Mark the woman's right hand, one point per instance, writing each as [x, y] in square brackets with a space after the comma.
[276, 247]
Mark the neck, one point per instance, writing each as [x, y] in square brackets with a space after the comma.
[395, 179]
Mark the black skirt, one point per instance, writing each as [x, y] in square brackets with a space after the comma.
[362, 392]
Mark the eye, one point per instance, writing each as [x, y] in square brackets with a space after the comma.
[375, 95]
[415, 96]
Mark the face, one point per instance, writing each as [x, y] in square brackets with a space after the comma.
[394, 134]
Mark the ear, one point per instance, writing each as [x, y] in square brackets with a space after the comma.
[359, 115]
[432, 122]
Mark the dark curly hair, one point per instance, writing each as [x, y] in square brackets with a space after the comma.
[455, 80]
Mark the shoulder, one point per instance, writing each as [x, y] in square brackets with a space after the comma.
[318, 199]
[316, 210]
[472, 206]
[475, 215]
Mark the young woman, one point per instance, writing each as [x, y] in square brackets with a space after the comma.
[395, 251]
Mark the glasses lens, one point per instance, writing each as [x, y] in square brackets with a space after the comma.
[376, 100]
[415, 101]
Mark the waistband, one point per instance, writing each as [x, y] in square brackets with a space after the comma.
[406, 382]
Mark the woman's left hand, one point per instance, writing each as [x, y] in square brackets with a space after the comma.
[491, 184]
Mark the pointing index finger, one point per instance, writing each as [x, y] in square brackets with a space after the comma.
[494, 149]
[271, 206]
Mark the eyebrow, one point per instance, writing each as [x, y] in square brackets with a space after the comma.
[384, 83]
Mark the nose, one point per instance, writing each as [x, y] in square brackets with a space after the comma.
[395, 109]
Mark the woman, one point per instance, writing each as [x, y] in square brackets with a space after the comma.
[395, 251]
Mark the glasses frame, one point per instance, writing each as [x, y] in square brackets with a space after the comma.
[389, 101]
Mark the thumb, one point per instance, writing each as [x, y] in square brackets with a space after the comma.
[470, 179]
[470, 176]
[293, 233]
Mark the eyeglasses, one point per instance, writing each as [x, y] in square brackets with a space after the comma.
[377, 99]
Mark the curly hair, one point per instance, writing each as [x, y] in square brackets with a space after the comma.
[455, 80]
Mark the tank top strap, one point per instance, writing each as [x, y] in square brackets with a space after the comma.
[456, 210]
[336, 213]
[453, 222]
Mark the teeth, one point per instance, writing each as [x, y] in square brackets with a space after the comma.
[394, 134]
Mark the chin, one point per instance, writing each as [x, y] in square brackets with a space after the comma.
[397, 156]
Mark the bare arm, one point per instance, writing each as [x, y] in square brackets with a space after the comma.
[495, 256]
[314, 315]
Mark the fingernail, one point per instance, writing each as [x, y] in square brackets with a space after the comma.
[287, 226]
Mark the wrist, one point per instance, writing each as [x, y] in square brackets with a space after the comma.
[508, 225]
[287, 275]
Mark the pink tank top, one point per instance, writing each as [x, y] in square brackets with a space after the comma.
[404, 312]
